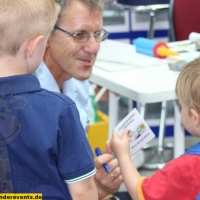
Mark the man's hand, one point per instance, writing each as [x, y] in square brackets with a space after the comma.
[105, 183]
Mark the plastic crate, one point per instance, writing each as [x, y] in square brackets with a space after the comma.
[98, 132]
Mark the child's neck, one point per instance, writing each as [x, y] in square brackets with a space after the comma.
[11, 66]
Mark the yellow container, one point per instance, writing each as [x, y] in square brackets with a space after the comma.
[98, 132]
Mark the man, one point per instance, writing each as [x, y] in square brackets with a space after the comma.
[71, 52]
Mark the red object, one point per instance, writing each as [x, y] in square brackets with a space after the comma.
[185, 17]
[178, 180]
[156, 49]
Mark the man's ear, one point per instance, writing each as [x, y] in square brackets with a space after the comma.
[32, 45]
[48, 43]
[195, 116]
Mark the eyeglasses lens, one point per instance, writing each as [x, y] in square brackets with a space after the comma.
[84, 36]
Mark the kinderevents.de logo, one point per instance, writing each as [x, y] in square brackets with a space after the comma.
[10, 129]
[10, 125]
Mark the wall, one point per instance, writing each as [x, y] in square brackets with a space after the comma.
[126, 25]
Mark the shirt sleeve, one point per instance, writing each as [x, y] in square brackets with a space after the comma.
[75, 161]
[78, 91]
[175, 181]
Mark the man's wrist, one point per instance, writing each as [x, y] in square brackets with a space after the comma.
[102, 193]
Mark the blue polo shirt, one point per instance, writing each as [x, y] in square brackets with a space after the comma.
[43, 146]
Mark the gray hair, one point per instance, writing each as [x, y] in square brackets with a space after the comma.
[96, 6]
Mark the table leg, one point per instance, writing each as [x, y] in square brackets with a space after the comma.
[161, 135]
[142, 110]
[130, 105]
[113, 107]
[179, 135]
[151, 28]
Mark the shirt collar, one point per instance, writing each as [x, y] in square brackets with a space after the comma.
[46, 79]
[19, 84]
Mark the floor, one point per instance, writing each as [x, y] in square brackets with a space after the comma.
[148, 155]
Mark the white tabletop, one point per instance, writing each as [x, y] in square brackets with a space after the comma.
[139, 77]
[145, 85]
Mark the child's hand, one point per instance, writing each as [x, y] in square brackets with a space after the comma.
[120, 146]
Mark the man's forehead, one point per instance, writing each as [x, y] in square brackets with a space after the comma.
[78, 5]
[82, 17]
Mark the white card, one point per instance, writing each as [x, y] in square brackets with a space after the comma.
[139, 133]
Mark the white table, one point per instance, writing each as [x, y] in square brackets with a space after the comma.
[148, 84]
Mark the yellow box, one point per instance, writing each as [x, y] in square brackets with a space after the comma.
[21, 196]
[98, 132]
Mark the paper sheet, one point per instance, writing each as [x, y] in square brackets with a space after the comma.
[139, 133]
[121, 53]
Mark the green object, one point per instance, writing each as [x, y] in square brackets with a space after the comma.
[92, 105]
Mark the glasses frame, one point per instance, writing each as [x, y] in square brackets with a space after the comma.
[74, 34]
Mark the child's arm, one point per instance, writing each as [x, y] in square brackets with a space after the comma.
[83, 190]
[130, 174]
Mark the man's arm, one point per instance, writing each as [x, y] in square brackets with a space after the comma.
[83, 190]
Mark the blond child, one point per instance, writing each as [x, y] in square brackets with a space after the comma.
[43, 147]
[179, 179]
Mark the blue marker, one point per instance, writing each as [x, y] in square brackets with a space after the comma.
[105, 165]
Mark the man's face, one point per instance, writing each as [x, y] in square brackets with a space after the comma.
[75, 59]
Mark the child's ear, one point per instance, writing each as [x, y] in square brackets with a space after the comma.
[195, 116]
[32, 45]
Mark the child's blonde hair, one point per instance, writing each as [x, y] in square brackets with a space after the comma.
[21, 19]
[188, 85]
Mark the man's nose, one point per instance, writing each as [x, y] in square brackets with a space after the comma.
[92, 46]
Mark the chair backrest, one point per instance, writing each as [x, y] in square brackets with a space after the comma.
[142, 2]
[184, 18]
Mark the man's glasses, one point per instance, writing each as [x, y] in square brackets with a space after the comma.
[83, 36]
